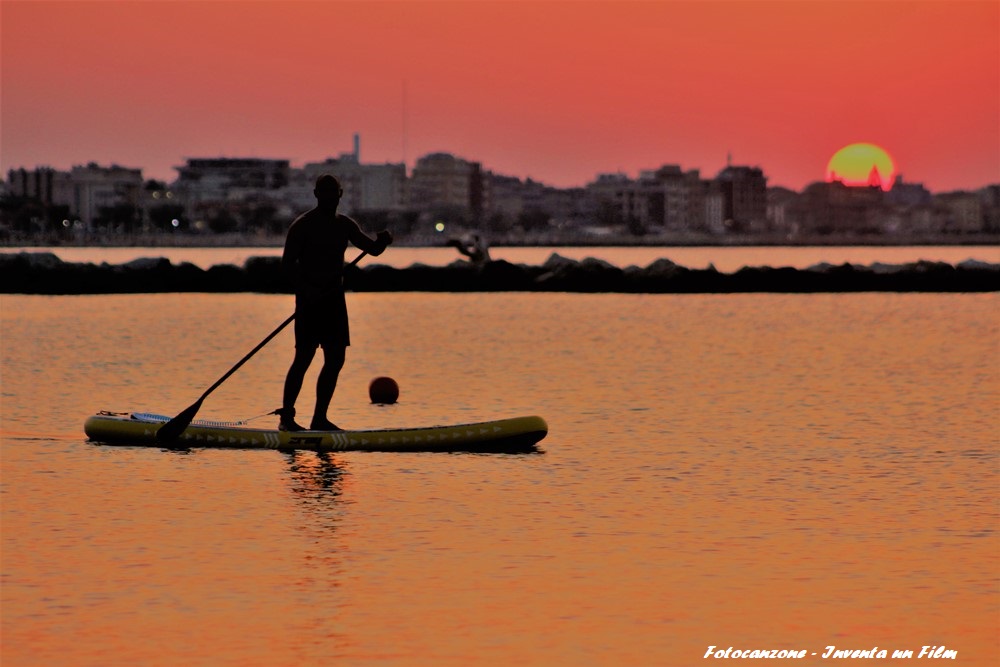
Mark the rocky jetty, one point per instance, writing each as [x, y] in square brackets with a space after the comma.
[45, 273]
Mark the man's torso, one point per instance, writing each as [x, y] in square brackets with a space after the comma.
[319, 241]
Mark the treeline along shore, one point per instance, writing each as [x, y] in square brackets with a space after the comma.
[45, 273]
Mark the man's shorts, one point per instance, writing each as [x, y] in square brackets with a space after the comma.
[322, 323]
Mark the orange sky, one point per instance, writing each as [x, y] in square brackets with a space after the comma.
[558, 91]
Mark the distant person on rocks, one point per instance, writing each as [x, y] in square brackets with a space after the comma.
[313, 259]
[474, 248]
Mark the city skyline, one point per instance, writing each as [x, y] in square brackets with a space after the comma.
[634, 175]
[556, 92]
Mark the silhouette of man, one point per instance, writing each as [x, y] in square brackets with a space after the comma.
[314, 261]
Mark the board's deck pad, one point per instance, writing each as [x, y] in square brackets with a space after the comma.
[518, 434]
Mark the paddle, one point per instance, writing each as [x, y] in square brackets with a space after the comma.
[175, 427]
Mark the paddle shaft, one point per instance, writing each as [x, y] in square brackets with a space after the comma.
[247, 358]
[173, 428]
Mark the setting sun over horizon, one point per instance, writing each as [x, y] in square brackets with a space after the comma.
[862, 164]
[554, 91]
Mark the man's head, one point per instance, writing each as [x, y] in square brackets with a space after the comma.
[328, 191]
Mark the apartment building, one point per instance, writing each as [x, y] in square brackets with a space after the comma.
[217, 179]
[670, 199]
[960, 212]
[744, 197]
[442, 180]
[85, 191]
[828, 208]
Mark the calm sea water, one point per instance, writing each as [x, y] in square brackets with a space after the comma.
[756, 471]
[725, 259]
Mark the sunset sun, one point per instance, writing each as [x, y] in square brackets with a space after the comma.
[862, 164]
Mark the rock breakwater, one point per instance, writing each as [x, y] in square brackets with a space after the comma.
[45, 273]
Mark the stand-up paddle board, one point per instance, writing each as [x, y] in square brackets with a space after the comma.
[519, 434]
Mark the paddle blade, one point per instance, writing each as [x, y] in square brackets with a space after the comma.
[175, 427]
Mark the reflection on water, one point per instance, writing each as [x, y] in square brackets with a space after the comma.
[315, 476]
[756, 471]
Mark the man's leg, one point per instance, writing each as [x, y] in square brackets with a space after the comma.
[326, 384]
[293, 382]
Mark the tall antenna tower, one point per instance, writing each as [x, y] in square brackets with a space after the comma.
[403, 117]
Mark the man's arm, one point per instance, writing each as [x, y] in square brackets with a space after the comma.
[373, 246]
[290, 257]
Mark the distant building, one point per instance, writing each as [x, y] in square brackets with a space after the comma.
[511, 196]
[617, 201]
[212, 179]
[715, 221]
[835, 208]
[42, 184]
[962, 212]
[667, 199]
[907, 194]
[744, 197]
[218, 193]
[779, 202]
[97, 188]
[443, 181]
[86, 191]
[677, 198]
[569, 208]
[514, 202]
[990, 196]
